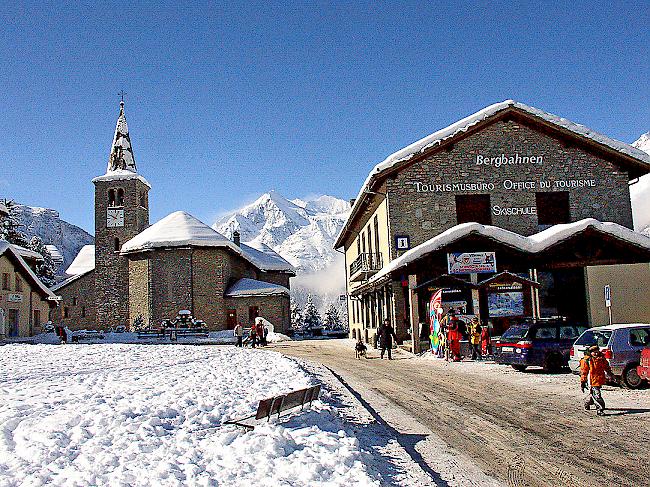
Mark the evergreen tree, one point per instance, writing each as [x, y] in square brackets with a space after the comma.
[332, 318]
[312, 318]
[45, 270]
[297, 323]
[10, 226]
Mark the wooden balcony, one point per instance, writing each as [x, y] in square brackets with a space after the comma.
[365, 265]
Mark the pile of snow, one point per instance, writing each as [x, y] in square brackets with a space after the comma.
[153, 415]
[640, 192]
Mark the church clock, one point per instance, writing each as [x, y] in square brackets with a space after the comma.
[114, 217]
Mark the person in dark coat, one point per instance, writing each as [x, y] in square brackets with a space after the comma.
[386, 334]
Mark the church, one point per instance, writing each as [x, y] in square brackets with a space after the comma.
[135, 270]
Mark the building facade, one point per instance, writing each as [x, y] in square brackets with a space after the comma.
[136, 271]
[510, 167]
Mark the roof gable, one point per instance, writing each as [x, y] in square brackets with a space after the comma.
[7, 249]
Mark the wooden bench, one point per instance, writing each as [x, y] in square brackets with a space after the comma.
[267, 408]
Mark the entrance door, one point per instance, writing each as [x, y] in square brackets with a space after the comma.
[13, 323]
[231, 319]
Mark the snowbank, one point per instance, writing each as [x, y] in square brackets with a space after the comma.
[153, 415]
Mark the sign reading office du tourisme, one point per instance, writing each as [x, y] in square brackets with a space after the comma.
[471, 262]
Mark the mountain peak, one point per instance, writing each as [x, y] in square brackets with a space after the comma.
[643, 143]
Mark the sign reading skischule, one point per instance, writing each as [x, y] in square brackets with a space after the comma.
[471, 262]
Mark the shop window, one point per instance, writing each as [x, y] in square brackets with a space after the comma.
[553, 208]
[473, 208]
[19, 284]
[253, 312]
[5, 281]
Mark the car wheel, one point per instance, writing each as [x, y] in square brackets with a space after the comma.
[520, 368]
[631, 378]
[553, 363]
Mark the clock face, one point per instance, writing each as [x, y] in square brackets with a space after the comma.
[114, 218]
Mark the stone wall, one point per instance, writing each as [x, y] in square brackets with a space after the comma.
[139, 296]
[421, 206]
[279, 278]
[273, 308]
[79, 300]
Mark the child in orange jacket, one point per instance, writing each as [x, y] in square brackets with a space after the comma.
[594, 370]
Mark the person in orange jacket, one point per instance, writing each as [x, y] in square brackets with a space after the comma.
[594, 370]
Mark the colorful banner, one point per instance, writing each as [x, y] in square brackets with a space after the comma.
[471, 262]
[435, 313]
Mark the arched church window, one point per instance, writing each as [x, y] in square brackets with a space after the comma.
[120, 197]
[111, 197]
[117, 244]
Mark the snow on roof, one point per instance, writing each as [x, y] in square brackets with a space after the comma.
[180, 229]
[121, 175]
[27, 253]
[121, 156]
[466, 123]
[266, 258]
[83, 262]
[252, 287]
[532, 245]
[57, 257]
[3, 209]
[6, 247]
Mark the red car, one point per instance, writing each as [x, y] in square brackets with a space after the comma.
[644, 368]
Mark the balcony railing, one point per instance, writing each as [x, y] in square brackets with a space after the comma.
[365, 265]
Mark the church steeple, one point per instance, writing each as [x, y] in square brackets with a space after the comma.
[121, 157]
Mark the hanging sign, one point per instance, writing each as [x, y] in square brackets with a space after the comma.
[471, 262]
[402, 242]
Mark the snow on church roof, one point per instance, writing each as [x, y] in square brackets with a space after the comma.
[534, 244]
[252, 287]
[180, 229]
[83, 262]
[465, 124]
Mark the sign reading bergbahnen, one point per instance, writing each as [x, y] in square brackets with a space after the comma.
[471, 262]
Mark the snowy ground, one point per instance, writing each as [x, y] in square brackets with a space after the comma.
[142, 415]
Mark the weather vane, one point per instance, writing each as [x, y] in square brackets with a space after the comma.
[121, 94]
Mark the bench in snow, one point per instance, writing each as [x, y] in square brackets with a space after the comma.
[277, 405]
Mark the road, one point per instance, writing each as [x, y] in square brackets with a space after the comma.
[524, 429]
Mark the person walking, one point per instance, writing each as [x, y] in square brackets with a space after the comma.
[453, 340]
[386, 334]
[594, 372]
[239, 334]
[253, 335]
[475, 338]
[260, 331]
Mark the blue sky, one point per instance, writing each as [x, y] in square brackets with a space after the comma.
[226, 101]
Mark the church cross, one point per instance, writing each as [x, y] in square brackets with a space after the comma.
[121, 94]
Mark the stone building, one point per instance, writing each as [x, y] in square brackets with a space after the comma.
[510, 182]
[25, 301]
[136, 270]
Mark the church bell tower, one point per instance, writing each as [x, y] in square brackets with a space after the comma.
[121, 212]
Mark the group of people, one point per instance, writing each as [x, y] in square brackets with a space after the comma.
[452, 330]
[385, 337]
[257, 335]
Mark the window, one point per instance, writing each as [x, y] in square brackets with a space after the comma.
[74, 301]
[111, 197]
[120, 197]
[253, 312]
[640, 337]
[473, 208]
[116, 242]
[66, 312]
[553, 208]
[363, 243]
[359, 245]
[571, 332]
[370, 239]
[5, 281]
[143, 200]
[546, 333]
[83, 311]
[19, 284]
[376, 225]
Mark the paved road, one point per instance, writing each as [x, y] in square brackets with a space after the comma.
[524, 433]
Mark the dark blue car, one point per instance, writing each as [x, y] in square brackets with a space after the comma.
[545, 343]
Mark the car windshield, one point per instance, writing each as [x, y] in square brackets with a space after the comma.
[595, 337]
[517, 332]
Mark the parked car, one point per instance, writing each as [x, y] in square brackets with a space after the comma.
[545, 343]
[644, 367]
[621, 344]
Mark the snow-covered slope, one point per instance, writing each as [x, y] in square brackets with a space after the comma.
[301, 231]
[47, 224]
[640, 192]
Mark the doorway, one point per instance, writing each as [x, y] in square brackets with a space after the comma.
[231, 319]
[13, 323]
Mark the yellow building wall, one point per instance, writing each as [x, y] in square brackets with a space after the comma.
[351, 253]
[24, 301]
[630, 285]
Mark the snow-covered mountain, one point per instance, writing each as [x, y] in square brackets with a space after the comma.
[300, 230]
[47, 224]
[640, 192]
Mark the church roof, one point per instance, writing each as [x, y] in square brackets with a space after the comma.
[121, 161]
[252, 287]
[180, 229]
[83, 262]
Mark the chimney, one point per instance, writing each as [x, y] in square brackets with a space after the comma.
[236, 237]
